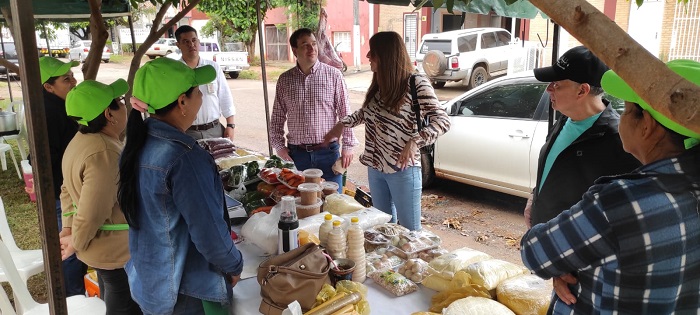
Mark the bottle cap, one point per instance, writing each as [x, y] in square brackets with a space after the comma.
[328, 217]
[336, 223]
[355, 220]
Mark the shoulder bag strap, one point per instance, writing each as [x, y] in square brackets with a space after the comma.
[416, 106]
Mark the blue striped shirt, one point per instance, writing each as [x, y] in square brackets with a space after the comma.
[633, 242]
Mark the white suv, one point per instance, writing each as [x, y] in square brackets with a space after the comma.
[471, 55]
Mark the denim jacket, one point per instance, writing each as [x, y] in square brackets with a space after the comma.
[183, 245]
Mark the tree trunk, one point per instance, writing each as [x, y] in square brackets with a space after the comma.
[663, 89]
[99, 39]
[250, 46]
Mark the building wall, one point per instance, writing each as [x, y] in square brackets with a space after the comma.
[667, 29]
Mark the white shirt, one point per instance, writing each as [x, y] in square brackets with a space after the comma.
[216, 96]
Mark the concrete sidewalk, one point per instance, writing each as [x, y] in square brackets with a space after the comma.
[358, 81]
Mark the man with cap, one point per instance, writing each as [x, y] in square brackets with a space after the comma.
[634, 239]
[583, 145]
[183, 260]
[57, 80]
[216, 100]
[99, 233]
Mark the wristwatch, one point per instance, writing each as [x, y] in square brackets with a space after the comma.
[232, 126]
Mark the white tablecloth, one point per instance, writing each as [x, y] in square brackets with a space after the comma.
[246, 299]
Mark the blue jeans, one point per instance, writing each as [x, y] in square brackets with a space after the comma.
[322, 159]
[400, 190]
[114, 290]
[73, 269]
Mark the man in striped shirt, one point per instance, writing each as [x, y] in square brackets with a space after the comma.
[310, 99]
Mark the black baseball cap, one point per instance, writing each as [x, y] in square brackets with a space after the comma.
[578, 64]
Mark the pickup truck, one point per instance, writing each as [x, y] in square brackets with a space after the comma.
[231, 62]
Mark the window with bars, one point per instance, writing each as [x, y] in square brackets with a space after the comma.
[342, 41]
[685, 43]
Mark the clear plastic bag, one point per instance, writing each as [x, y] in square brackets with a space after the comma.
[394, 282]
[340, 204]
[489, 273]
[526, 294]
[414, 269]
[261, 229]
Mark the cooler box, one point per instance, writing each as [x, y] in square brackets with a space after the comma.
[28, 179]
[91, 286]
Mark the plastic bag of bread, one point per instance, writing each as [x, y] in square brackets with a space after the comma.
[476, 306]
[339, 204]
[489, 273]
[525, 295]
[394, 282]
[459, 288]
[414, 269]
[447, 264]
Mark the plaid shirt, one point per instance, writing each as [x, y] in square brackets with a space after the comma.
[310, 105]
[633, 242]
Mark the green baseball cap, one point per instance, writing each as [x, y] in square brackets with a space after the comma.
[160, 82]
[52, 67]
[90, 98]
[688, 69]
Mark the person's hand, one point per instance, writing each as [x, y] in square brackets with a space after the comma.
[561, 288]
[407, 154]
[67, 249]
[235, 279]
[64, 232]
[334, 134]
[347, 158]
[229, 132]
[526, 212]
[284, 154]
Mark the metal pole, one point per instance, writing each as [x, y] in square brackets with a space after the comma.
[25, 42]
[264, 76]
[7, 70]
[356, 35]
[555, 54]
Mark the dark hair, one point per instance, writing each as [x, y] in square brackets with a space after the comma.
[136, 134]
[52, 80]
[299, 33]
[596, 90]
[184, 29]
[394, 69]
[99, 122]
[675, 138]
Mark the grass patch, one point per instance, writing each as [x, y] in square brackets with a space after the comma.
[118, 58]
[249, 75]
[23, 219]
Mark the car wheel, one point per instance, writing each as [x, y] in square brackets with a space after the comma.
[438, 84]
[105, 60]
[151, 57]
[434, 63]
[479, 77]
[233, 75]
[427, 169]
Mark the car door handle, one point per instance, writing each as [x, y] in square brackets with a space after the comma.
[519, 135]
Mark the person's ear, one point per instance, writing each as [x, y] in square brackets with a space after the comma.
[48, 87]
[107, 113]
[648, 124]
[584, 89]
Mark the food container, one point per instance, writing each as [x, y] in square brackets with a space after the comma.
[341, 269]
[8, 122]
[329, 188]
[308, 193]
[307, 211]
[313, 175]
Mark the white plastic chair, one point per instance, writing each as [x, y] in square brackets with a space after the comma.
[5, 148]
[27, 262]
[18, 108]
[77, 304]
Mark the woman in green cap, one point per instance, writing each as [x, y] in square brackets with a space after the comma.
[632, 244]
[183, 260]
[100, 236]
[57, 80]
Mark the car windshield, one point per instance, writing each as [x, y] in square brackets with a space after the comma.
[445, 46]
[163, 41]
[87, 42]
[10, 52]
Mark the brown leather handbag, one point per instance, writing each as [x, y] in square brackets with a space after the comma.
[297, 275]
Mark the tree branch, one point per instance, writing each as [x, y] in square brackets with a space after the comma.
[99, 39]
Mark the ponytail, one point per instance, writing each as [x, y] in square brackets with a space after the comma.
[128, 168]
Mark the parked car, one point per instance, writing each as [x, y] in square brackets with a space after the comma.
[9, 54]
[497, 132]
[230, 62]
[80, 49]
[207, 50]
[472, 56]
[162, 47]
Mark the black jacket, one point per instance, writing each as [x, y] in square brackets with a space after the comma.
[597, 152]
[61, 131]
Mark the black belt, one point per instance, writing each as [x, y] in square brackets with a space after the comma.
[206, 126]
[311, 147]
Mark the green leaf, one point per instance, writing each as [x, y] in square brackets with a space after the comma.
[639, 3]
[438, 3]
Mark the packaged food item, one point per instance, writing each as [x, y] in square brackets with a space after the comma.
[304, 211]
[476, 306]
[390, 230]
[447, 264]
[411, 243]
[337, 243]
[308, 193]
[329, 188]
[339, 204]
[394, 282]
[430, 254]
[377, 262]
[356, 250]
[414, 269]
[325, 228]
[459, 287]
[525, 294]
[489, 273]
[269, 175]
[312, 175]
[290, 178]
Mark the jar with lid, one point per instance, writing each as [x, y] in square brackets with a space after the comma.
[337, 242]
[324, 229]
[356, 249]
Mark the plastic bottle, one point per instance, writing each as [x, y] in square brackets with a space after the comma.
[356, 250]
[288, 226]
[336, 241]
[325, 227]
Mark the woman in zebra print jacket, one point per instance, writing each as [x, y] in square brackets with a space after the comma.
[392, 138]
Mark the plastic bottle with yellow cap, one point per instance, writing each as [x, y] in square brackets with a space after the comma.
[325, 227]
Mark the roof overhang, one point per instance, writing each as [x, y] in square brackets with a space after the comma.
[519, 9]
[64, 10]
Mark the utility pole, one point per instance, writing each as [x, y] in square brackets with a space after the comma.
[356, 35]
